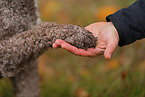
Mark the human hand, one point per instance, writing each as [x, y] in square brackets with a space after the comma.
[107, 41]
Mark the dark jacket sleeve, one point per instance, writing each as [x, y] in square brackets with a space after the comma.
[129, 22]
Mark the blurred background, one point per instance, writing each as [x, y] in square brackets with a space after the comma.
[63, 74]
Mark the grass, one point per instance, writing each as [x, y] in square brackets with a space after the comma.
[66, 75]
[6, 89]
[91, 76]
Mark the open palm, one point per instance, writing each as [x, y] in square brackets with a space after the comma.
[106, 43]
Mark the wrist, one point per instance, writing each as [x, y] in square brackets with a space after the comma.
[114, 30]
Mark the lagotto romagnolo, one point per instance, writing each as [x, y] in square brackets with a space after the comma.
[29, 45]
[23, 38]
[19, 45]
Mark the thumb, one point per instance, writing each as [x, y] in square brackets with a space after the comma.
[109, 50]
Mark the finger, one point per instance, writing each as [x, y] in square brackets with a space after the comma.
[109, 50]
[59, 42]
[101, 44]
[95, 52]
[91, 52]
[55, 46]
[73, 49]
[70, 48]
[79, 52]
[100, 48]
